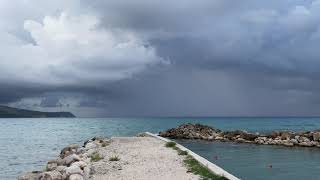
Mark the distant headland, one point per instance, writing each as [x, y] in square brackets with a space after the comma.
[10, 112]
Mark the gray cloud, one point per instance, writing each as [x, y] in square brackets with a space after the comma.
[111, 57]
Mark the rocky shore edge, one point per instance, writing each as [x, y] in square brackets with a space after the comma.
[283, 138]
[73, 162]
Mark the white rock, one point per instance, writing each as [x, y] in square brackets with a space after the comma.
[71, 158]
[90, 152]
[91, 145]
[51, 166]
[73, 170]
[86, 172]
[76, 177]
[80, 150]
[60, 161]
[80, 164]
[52, 175]
[61, 169]
[30, 176]
[294, 141]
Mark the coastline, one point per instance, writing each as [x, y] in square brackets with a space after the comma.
[143, 157]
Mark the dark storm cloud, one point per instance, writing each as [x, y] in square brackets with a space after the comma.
[207, 57]
[276, 34]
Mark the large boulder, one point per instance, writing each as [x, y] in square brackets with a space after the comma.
[70, 149]
[286, 135]
[71, 158]
[80, 164]
[51, 165]
[91, 145]
[52, 175]
[248, 136]
[232, 135]
[274, 134]
[316, 136]
[61, 169]
[76, 177]
[306, 144]
[73, 170]
[35, 175]
[86, 172]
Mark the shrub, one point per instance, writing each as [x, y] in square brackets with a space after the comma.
[96, 157]
[114, 158]
[170, 144]
[182, 153]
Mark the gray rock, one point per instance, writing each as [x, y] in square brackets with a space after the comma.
[218, 138]
[51, 165]
[81, 150]
[91, 145]
[35, 175]
[61, 169]
[306, 144]
[71, 158]
[240, 140]
[73, 170]
[288, 144]
[294, 141]
[68, 150]
[76, 177]
[304, 139]
[52, 175]
[60, 161]
[86, 172]
[90, 152]
[316, 136]
[80, 164]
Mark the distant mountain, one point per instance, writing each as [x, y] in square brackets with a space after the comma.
[9, 112]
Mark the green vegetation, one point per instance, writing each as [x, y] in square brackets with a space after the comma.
[96, 157]
[171, 144]
[182, 153]
[114, 158]
[195, 167]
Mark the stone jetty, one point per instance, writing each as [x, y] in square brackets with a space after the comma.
[283, 138]
[117, 158]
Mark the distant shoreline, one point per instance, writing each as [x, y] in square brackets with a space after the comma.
[10, 112]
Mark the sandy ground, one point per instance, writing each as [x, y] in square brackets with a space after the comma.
[141, 158]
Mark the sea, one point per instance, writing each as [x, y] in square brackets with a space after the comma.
[27, 144]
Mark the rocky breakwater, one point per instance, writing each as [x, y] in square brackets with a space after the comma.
[284, 138]
[73, 162]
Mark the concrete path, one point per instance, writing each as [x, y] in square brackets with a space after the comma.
[141, 158]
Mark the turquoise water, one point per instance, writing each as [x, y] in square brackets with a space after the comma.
[27, 144]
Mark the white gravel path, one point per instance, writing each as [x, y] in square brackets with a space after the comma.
[141, 158]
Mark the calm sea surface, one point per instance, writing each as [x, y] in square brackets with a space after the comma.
[27, 144]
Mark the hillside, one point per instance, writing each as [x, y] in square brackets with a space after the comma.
[9, 112]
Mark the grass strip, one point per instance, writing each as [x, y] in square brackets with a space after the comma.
[194, 166]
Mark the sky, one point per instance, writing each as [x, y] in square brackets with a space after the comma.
[104, 58]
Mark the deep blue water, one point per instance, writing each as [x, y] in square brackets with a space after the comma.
[27, 144]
